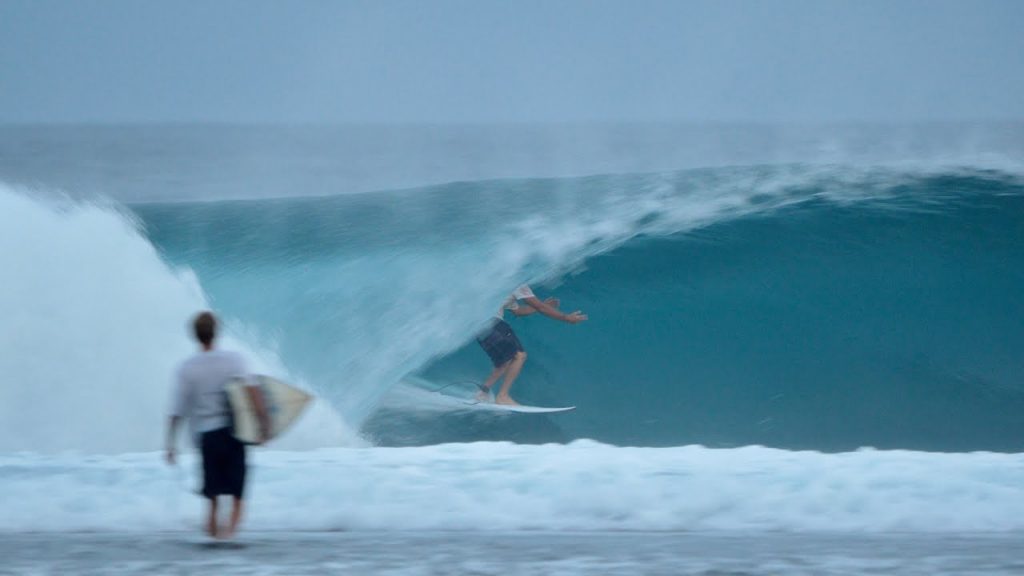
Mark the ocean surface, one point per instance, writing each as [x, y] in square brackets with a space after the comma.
[793, 330]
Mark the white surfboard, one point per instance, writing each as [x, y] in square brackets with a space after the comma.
[517, 408]
[284, 403]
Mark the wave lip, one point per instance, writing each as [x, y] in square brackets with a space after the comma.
[501, 486]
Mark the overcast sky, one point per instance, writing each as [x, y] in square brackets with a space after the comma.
[538, 61]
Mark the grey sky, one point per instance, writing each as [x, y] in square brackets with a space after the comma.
[538, 61]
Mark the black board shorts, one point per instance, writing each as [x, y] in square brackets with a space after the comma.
[223, 463]
[500, 343]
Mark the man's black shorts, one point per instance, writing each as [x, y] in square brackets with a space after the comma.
[500, 343]
[223, 463]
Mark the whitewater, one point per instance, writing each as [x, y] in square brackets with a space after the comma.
[791, 333]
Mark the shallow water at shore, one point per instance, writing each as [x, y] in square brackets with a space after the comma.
[401, 553]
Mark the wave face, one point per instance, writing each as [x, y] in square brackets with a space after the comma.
[784, 305]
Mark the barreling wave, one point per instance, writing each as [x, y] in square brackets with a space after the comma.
[795, 306]
[823, 307]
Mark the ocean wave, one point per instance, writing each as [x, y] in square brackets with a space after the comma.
[823, 307]
[774, 265]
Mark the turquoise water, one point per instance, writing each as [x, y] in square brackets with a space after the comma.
[778, 305]
[825, 288]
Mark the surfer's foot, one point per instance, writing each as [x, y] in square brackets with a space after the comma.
[505, 399]
[227, 532]
[484, 395]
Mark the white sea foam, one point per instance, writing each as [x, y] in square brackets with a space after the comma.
[93, 325]
[500, 486]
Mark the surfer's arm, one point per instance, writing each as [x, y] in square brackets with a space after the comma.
[525, 309]
[256, 399]
[172, 434]
[550, 311]
[181, 404]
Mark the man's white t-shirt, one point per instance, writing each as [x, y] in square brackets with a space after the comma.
[512, 303]
[199, 392]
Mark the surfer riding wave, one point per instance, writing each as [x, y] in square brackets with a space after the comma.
[502, 345]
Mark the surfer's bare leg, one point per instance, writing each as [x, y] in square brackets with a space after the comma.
[485, 389]
[511, 373]
[236, 517]
[211, 520]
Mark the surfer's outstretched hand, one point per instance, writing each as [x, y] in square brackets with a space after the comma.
[575, 317]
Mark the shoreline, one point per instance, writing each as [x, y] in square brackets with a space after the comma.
[425, 552]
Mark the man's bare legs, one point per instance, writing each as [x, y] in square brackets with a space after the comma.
[211, 520]
[511, 370]
[485, 389]
[232, 527]
[236, 516]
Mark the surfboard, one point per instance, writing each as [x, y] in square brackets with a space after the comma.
[518, 408]
[284, 403]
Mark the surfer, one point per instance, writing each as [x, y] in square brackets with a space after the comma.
[200, 396]
[504, 348]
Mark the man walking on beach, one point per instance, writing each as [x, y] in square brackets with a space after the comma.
[502, 345]
[200, 396]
